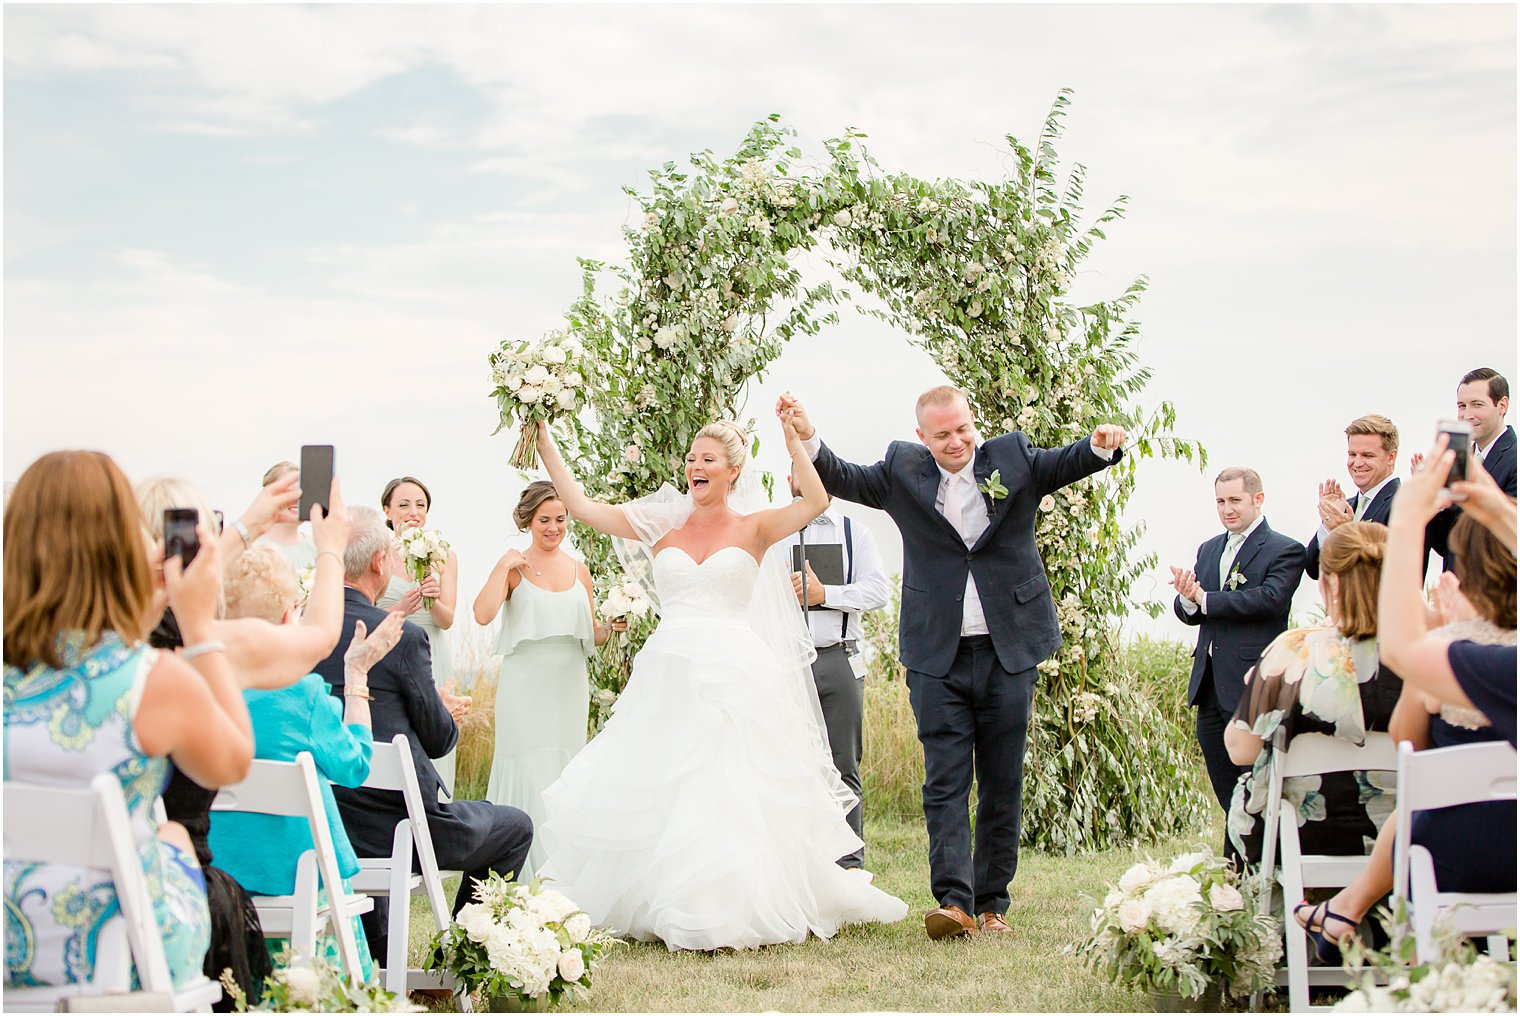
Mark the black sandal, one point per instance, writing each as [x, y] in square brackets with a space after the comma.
[1327, 950]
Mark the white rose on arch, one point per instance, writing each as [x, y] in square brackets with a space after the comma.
[536, 375]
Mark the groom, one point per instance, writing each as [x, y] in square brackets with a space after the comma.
[977, 618]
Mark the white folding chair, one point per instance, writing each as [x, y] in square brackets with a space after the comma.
[391, 768]
[89, 828]
[1311, 755]
[291, 790]
[1441, 778]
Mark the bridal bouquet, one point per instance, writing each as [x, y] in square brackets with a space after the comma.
[626, 599]
[537, 380]
[1184, 928]
[522, 942]
[423, 551]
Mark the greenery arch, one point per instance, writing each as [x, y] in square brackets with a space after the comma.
[976, 273]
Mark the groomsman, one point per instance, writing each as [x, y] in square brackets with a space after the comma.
[1372, 451]
[834, 610]
[1482, 402]
[1238, 594]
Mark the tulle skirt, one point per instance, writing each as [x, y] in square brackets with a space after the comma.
[698, 816]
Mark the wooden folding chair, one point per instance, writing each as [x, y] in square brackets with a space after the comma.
[1441, 778]
[89, 828]
[1311, 755]
[290, 789]
[391, 768]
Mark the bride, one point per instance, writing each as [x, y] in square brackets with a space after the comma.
[708, 812]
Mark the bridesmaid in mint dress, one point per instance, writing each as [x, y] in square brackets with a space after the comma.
[406, 502]
[547, 634]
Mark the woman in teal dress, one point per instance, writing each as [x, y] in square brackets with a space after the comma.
[261, 851]
[406, 502]
[85, 695]
[547, 634]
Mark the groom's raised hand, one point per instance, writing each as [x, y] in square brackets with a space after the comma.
[789, 408]
[1108, 436]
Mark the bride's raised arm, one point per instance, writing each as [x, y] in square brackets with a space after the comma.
[778, 523]
[604, 518]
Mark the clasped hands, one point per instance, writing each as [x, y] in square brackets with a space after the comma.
[814, 587]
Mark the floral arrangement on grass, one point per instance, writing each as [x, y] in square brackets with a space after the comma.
[423, 551]
[313, 986]
[538, 380]
[1182, 927]
[1457, 978]
[522, 941]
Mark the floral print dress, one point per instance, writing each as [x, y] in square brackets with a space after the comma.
[1315, 681]
[62, 728]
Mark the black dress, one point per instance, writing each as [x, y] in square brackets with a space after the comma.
[237, 937]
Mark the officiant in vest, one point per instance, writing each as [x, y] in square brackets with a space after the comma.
[841, 577]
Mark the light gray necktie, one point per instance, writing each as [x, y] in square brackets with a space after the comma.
[1362, 503]
[1231, 545]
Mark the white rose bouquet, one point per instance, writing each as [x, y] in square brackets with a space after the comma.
[626, 599]
[1182, 927]
[522, 941]
[422, 551]
[538, 380]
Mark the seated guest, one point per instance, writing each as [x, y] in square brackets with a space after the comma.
[475, 837]
[284, 534]
[1453, 671]
[1372, 452]
[1322, 680]
[1473, 846]
[85, 695]
[261, 851]
[1482, 403]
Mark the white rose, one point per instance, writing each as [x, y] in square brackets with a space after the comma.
[304, 985]
[1137, 876]
[536, 375]
[731, 323]
[975, 310]
[572, 965]
[475, 919]
[566, 399]
[665, 337]
[552, 386]
[529, 395]
[729, 206]
[578, 927]
[1133, 915]
[1187, 862]
[1047, 503]
[514, 382]
[552, 354]
[842, 219]
[1226, 897]
[633, 453]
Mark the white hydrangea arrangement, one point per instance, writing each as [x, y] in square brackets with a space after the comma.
[1183, 927]
[303, 984]
[422, 551]
[1457, 978]
[538, 379]
[626, 599]
[526, 941]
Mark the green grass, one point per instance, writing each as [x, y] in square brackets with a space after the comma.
[891, 967]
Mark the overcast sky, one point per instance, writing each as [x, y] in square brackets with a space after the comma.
[230, 231]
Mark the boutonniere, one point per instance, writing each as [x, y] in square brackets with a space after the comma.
[1236, 579]
[994, 488]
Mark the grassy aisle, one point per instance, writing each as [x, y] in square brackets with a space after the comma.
[893, 967]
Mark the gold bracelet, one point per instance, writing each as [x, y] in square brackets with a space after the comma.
[351, 692]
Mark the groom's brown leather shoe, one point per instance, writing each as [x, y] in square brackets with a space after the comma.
[948, 922]
[993, 924]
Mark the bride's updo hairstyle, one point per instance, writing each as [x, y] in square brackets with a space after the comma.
[1354, 554]
[733, 438]
[535, 494]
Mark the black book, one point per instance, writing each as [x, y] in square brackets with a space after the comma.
[827, 560]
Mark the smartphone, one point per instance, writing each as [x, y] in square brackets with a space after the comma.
[316, 478]
[1459, 439]
[179, 534]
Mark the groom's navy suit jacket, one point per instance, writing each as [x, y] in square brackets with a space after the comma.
[1378, 511]
[1241, 622]
[1010, 577]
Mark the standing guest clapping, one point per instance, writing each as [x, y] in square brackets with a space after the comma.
[1372, 452]
[1238, 594]
[406, 502]
[548, 631]
[284, 533]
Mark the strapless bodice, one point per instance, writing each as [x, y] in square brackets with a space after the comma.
[717, 589]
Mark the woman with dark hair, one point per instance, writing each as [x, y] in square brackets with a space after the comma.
[1320, 680]
[406, 502]
[85, 695]
[547, 634]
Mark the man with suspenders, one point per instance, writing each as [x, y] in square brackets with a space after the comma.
[834, 611]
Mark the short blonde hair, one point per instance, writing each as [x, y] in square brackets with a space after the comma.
[1379, 426]
[260, 583]
[161, 492]
[278, 470]
[939, 395]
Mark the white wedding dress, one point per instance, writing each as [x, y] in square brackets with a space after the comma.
[699, 816]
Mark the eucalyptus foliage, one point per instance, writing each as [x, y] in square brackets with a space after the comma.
[978, 274]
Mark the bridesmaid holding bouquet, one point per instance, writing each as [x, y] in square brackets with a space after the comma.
[428, 603]
[547, 633]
